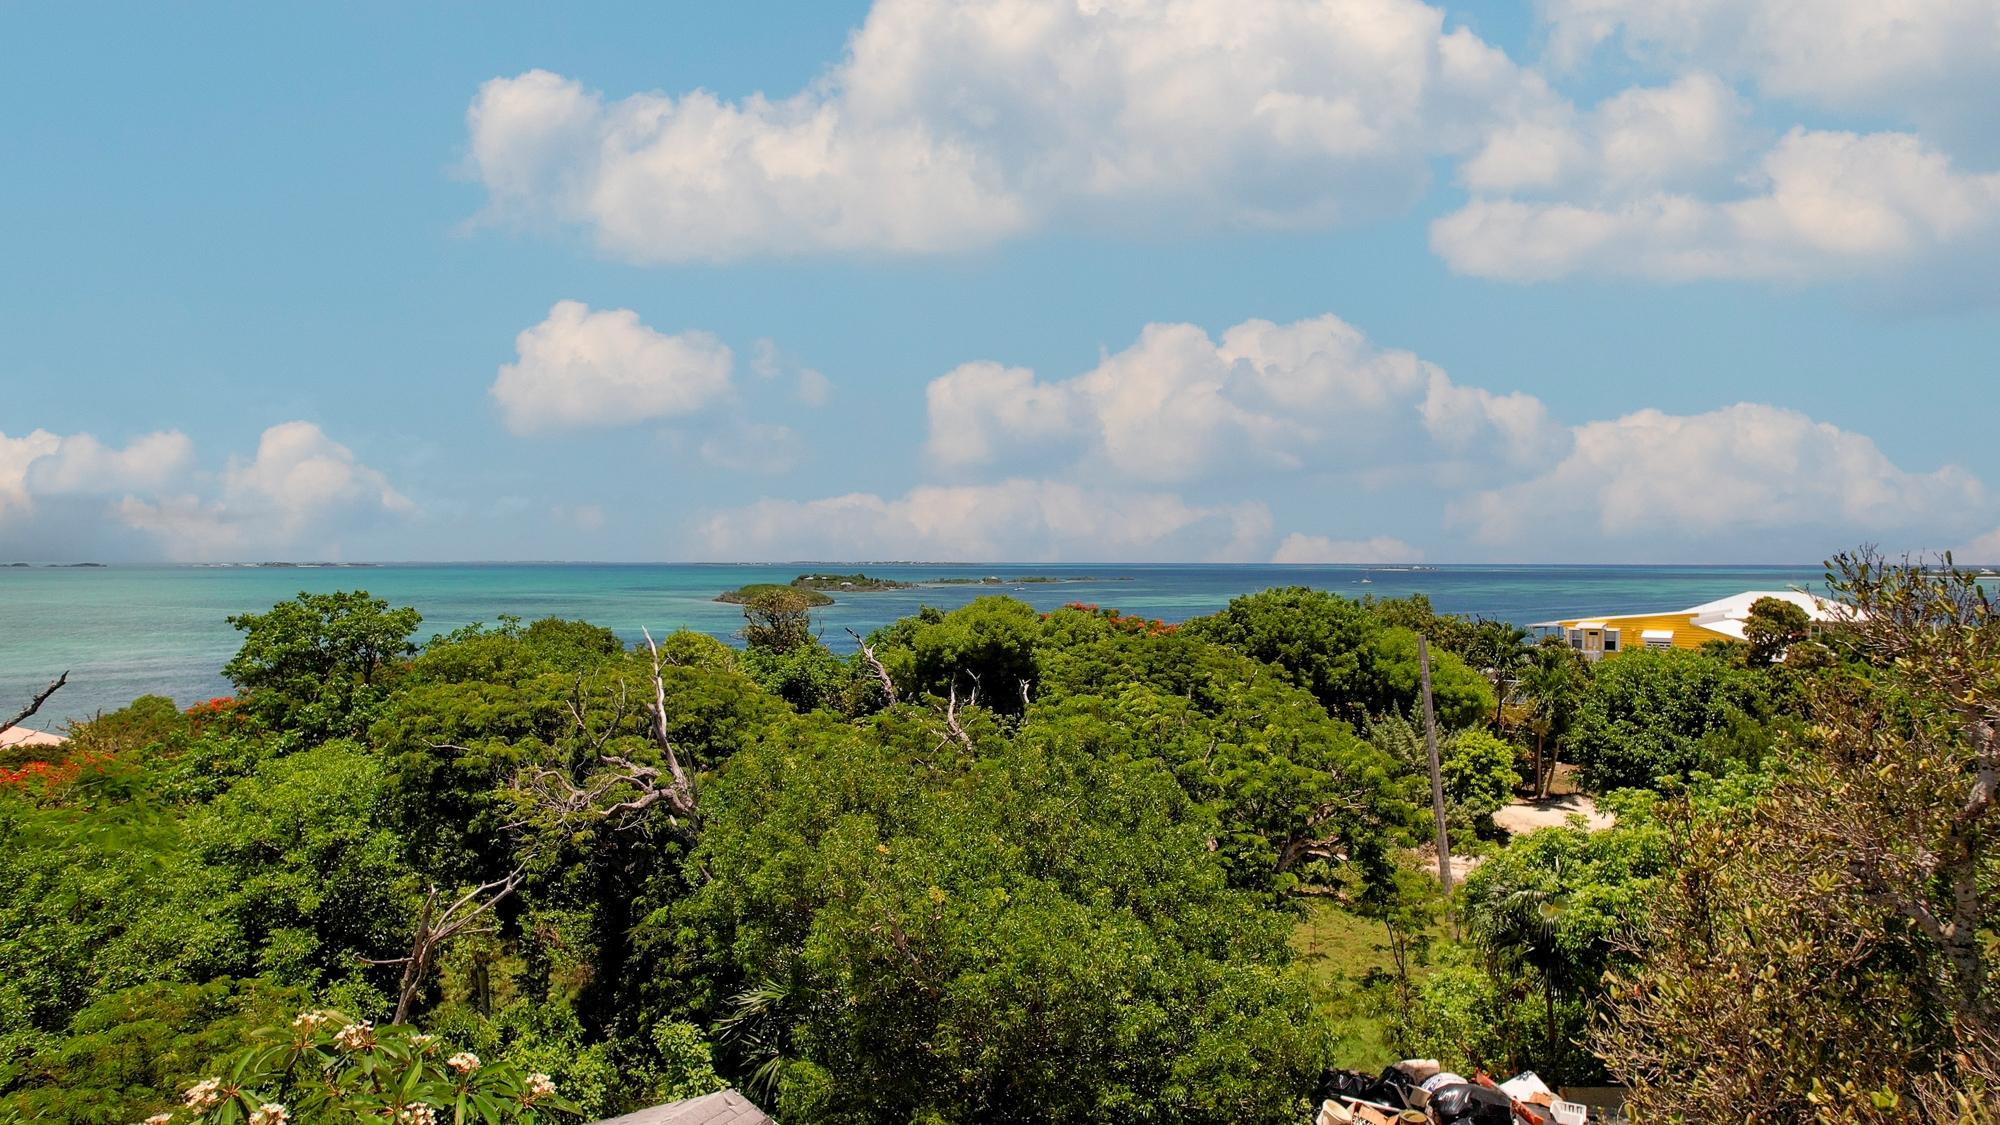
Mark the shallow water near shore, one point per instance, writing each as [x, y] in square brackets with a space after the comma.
[126, 631]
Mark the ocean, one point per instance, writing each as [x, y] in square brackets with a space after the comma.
[126, 631]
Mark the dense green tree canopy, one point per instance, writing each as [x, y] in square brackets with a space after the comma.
[1646, 715]
[1352, 660]
[312, 666]
[1043, 873]
[1005, 865]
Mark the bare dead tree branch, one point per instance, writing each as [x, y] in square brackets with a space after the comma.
[435, 927]
[35, 704]
[681, 796]
[874, 662]
[560, 793]
[951, 722]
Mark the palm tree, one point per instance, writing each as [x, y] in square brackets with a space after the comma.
[757, 1026]
[1522, 927]
[1552, 681]
[1503, 650]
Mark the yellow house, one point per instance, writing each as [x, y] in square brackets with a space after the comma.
[1722, 620]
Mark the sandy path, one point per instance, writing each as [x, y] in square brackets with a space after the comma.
[1553, 812]
[14, 737]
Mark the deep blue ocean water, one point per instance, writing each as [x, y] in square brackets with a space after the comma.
[129, 630]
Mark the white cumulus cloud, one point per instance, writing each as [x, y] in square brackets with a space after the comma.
[1178, 405]
[582, 368]
[1013, 520]
[17, 455]
[43, 464]
[299, 485]
[1653, 477]
[957, 123]
[1928, 61]
[1822, 205]
[1685, 134]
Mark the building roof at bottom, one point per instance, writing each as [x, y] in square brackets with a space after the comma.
[724, 1107]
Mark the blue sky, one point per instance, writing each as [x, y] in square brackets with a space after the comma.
[1352, 280]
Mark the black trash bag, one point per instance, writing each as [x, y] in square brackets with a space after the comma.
[1463, 1103]
[1336, 1084]
[1395, 1086]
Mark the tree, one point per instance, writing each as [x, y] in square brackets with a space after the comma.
[778, 618]
[1042, 934]
[1295, 790]
[1478, 771]
[1501, 651]
[313, 666]
[1495, 649]
[1648, 715]
[1553, 681]
[332, 1067]
[125, 1050]
[1356, 665]
[1825, 942]
[1559, 905]
[986, 649]
[1016, 867]
[1773, 626]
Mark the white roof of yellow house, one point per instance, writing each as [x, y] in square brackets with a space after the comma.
[1697, 625]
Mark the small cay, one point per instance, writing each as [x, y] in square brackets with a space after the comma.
[763, 591]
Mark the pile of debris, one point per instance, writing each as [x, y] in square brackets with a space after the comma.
[1419, 1092]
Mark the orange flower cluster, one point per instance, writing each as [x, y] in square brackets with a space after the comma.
[46, 775]
[219, 709]
[220, 705]
[1117, 619]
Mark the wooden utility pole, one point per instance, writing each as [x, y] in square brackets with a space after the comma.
[1437, 781]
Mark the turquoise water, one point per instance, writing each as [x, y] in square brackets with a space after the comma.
[126, 631]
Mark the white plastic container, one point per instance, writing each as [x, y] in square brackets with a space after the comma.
[1568, 1113]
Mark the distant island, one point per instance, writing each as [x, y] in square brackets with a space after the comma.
[1025, 580]
[762, 591]
[845, 582]
[816, 586]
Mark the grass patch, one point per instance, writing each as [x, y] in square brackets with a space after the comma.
[1347, 961]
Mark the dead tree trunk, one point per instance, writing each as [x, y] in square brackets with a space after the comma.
[435, 928]
[35, 704]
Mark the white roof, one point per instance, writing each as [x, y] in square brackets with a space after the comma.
[1727, 615]
[1735, 609]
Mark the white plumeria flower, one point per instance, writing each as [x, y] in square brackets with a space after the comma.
[159, 1119]
[270, 1113]
[355, 1036]
[309, 1022]
[203, 1095]
[464, 1062]
[540, 1086]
